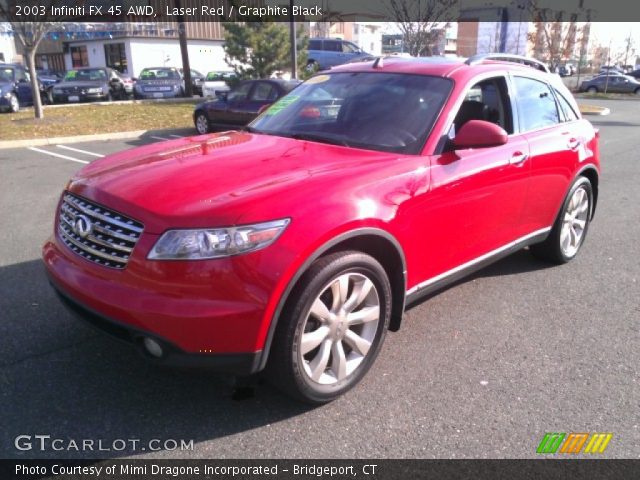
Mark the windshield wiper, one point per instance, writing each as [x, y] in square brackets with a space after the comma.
[314, 137]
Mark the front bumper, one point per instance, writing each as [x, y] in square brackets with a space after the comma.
[82, 97]
[168, 94]
[239, 364]
[199, 308]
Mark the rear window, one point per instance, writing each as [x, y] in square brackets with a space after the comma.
[159, 74]
[378, 111]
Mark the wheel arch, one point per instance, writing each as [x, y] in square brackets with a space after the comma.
[591, 173]
[376, 242]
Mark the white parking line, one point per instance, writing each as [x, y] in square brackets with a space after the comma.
[57, 155]
[177, 136]
[80, 151]
[158, 138]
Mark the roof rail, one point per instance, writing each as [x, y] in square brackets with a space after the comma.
[507, 57]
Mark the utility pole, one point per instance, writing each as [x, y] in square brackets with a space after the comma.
[606, 81]
[294, 46]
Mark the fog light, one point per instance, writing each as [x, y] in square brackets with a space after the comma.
[152, 347]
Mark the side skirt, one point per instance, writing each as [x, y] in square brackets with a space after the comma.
[438, 282]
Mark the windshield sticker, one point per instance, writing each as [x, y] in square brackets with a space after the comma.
[318, 79]
[281, 104]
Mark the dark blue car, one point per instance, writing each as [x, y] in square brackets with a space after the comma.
[239, 106]
[15, 87]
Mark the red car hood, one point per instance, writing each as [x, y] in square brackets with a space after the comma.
[205, 180]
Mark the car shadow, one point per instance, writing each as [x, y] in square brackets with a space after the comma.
[61, 378]
[519, 262]
[605, 123]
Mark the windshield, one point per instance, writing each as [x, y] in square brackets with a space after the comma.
[6, 74]
[379, 111]
[159, 74]
[92, 75]
[218, 76]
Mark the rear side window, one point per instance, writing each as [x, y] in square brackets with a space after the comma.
[332, 46]
[536, 103]
[567, 109]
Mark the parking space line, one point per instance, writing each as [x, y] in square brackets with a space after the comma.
[158, 138]
[80, 151]
[39, 150]
[177, 136]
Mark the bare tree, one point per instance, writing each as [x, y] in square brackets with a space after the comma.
[556, 34]
[30, 30]
[421, 22]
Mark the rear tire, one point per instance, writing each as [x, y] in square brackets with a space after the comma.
[202, 124]
[332, 328]
[570, 228]
[592, 90]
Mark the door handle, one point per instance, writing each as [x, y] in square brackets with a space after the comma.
[573, 144]
[518, 158]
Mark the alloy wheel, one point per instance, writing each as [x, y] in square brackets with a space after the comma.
[574, 222]
[340, 328]
[202, 124]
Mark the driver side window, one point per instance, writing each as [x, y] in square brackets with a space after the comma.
[487, 100]
[241, 93]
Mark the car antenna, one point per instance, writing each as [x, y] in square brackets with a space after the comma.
[377, 63]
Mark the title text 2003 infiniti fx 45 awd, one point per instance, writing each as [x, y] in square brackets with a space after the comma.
[295, 244]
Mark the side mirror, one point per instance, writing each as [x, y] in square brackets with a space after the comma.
[479, 134]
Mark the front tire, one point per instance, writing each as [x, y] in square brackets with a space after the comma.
[332, 328]
[592, 90]
[14, 105]
[570, 228]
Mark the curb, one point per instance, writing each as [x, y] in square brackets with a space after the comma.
[595, 110]
[35, 142]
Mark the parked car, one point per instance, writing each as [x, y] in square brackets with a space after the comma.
[635, 73]
[324, 53]
[88, 84]
[297, 243]
[609, 69]
[197, 79]
[159, 82]
[217, 82]
[241, 105]
[127, 84]
[611, 83]
[15, 87]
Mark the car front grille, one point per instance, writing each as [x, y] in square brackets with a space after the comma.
[96, 233]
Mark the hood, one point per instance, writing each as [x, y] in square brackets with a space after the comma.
[213, 179]
[82, 84]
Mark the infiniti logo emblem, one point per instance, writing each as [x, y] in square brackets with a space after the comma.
[82, 226]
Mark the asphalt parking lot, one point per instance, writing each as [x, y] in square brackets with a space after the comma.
[482, 369]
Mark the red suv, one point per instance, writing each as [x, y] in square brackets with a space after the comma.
[295, 244]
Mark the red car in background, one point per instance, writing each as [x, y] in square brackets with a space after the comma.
[296, 243]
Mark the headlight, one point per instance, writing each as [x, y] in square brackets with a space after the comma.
[216, 242]
[94, 90]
